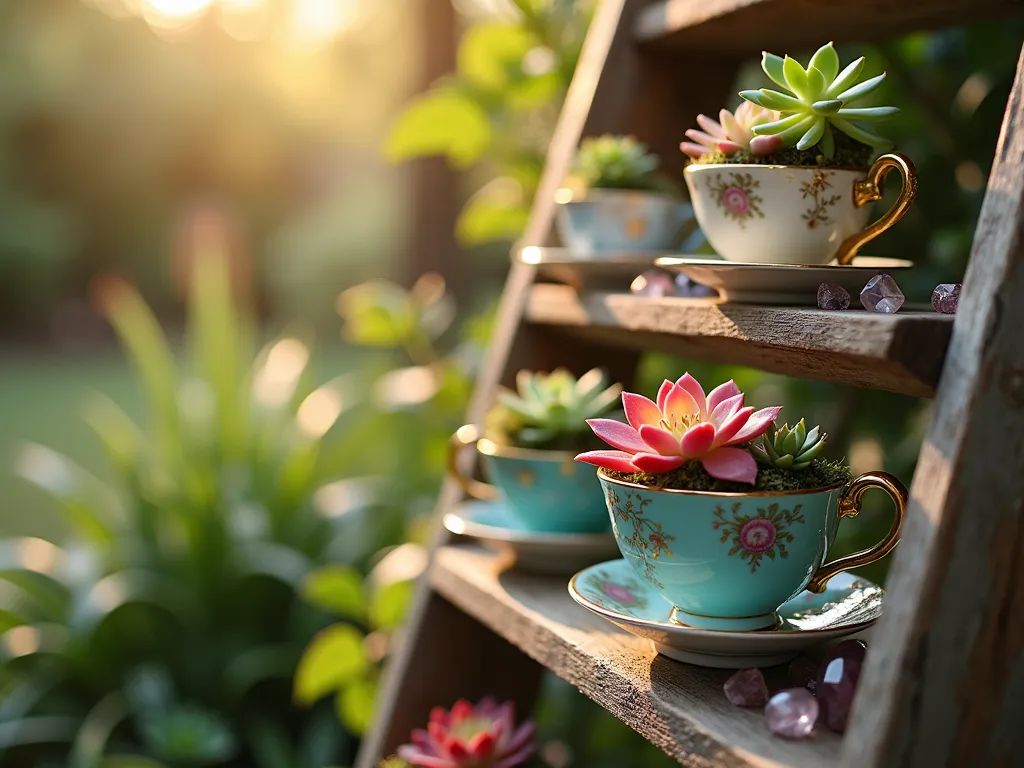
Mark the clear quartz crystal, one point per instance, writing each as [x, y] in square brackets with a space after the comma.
[882, 294]
[946, 298]
[747, 688]
[792, 713]
[654, 283]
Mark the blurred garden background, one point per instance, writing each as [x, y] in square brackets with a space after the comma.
[249, 253]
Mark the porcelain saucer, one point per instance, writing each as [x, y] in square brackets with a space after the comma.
[613, 591]
[554, 553]
[779, 283]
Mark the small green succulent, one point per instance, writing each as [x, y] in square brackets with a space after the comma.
[550, 410]
[817, 101]
[615, 162]
[789, 448]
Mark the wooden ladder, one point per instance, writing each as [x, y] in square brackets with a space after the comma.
[944, 683]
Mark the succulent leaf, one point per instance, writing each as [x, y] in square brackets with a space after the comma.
[615, 162]
[731, 133]
[789, 448]
[819, 100]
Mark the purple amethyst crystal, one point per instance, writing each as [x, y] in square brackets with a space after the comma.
[946, 298]
[803, 673]
[792, 713]
[882, 294]
[654, 283]
[832, 296]
[837, 683]
[747, 688]
[689, 289]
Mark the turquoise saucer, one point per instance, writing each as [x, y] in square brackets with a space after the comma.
[613, 591]
[557, 553]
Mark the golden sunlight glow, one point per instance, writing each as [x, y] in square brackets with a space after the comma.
[275, 382]
[21, 641]
[319, 411]
[314, 22]
[36, 555]
[178, 7]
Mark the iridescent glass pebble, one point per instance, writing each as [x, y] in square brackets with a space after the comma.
[946, 298]
[792, 713]
[654, 283]
[832, 296]
[882, 294]
[747, 688]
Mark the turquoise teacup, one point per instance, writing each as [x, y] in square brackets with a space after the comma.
[547, 491]
[728, 560]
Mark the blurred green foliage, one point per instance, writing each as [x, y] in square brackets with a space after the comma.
[171, 624]
[495, 115]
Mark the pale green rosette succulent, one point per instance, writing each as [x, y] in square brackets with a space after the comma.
[817, 101]
[551, 410]
[789, 448]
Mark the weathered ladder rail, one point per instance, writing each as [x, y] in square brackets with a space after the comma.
[945, 683]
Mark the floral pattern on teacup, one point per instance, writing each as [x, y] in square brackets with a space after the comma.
[647, 540]
[815, 189]
[736, 196]
[755, 536]
[624, 595]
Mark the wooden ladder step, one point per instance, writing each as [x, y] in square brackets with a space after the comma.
[744, 27]
[678, 707]
[900, 353]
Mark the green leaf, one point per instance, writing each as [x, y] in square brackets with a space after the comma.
[826, 60]
[815, 82]
[861, 90]
[378, 313]
[845, 79]
[859, 134]
[91, 740]
[189, 735]
[491, 53]
[219, 339]
[129, 761]
[778, 126]
[497, 211]
[442, 122]
[813, 134]
[338, 589]
[355, 705]
[389, 604]
[119, 435]
[44, 729]
[774, 67]
[870, 114]
[827, 107]
[796, 79]
[755, 97]
[828, 142]
[333, 659]
[780, 101]
[255, 665]
[147, 348]
[9, 620]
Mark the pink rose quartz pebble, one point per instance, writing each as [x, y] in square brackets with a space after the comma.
[882, 294]
[792, 713]
[654, 283]
[837, 683]
[747, 688]
[946, 298]
[832, 296]
[803, 673]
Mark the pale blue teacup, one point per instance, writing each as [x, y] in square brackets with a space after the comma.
[546, 491]
[623, 221]
[728, 560]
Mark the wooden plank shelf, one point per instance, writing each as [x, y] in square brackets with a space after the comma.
[678, 707]
[900, 353]
[745, 27]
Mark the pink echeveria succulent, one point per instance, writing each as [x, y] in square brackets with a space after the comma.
[683, 425]
[481, 736]
[732, 133]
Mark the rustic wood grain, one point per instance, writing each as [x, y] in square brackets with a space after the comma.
[948, 688]
[900, 353]
[747, 27]
[678, 707]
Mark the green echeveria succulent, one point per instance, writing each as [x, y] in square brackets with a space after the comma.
[817, 101]
[550, 406]
[614, 162]
[789, 448]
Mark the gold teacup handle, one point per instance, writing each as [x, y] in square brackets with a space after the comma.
[464, 437]
[870, 189]
[849, 506]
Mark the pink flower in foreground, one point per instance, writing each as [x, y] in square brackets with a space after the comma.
[681, 426]
[484, 736]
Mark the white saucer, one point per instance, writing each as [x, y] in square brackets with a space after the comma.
[779, 283]
[607, 270]
[613, 591]
[555, 553]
